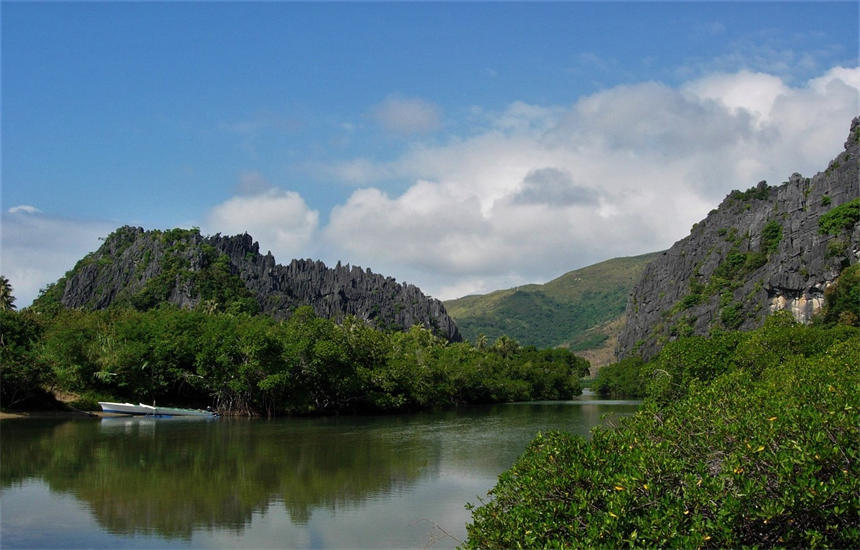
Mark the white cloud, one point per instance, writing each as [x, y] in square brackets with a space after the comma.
[279, 220]
[24, 209]
[627, 170]
[38, 248]
[753, 92]
[850, 77]
[407, 115]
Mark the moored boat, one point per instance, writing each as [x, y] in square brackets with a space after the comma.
[150, 410]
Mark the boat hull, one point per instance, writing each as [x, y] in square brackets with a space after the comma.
[150, 410]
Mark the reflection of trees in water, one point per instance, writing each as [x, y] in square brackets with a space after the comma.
[172, 478]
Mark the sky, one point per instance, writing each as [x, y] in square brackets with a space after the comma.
[460, 147]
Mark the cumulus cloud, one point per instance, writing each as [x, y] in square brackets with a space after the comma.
[38, 248]
[407, 115]
[627, 170]
[754, 93]
[553, 187]
[279, 220]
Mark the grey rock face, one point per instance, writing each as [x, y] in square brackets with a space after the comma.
[725, 274]
[132, 257]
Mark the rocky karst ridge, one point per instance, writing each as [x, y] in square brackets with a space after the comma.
[759, 252]
[132, 259]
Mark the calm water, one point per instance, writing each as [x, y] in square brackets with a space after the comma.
[392, 481]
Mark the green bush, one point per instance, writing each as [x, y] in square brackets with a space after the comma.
[732, 315]
[755, 458]
[22, 373]
[841, 218]
[690, 300]
[842, 299]
[759, 192]
[771, 236]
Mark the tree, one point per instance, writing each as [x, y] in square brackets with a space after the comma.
[506, 347]
[481, 342]
[7, 301]
[842, 299]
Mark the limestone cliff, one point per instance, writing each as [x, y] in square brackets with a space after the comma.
[220, 273]
[761, 251]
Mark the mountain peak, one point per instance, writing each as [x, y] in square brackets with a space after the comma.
[144, 269]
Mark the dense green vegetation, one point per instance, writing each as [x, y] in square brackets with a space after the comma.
[766, 453]
[745, 439]
[702, 358]
[240, 363]
[839, 219]
[558, 313]
[842, 300]
[759, 192]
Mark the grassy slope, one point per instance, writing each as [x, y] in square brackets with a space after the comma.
[580, 309]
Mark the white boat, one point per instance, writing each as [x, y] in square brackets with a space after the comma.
[150, 410]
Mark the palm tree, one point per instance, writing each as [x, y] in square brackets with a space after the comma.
[7, 301]
[481, 342]
[506, 346]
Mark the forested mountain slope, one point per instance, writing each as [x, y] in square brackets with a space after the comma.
[579, 310]
[219, 273]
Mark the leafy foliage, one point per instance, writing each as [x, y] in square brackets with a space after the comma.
[759, 192]
[49, 300]
[771, 235]
[7, 300]
[245, 364]
[627, 378]
[760, 448]
[22, 373]
[840, 218]
[842, 299]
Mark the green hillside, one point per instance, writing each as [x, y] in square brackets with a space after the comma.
[572, 310]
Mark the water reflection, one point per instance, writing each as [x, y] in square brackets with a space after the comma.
[179, 479]
[173, 477]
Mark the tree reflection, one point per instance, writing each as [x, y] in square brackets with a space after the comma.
[173, 477]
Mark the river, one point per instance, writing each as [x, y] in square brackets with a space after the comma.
[336, 482]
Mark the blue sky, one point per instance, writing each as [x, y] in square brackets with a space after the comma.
[463, 147]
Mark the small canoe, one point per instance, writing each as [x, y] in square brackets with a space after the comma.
[150, 410]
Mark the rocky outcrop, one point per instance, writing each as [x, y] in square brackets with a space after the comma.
[189, 270]
[761, 251]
